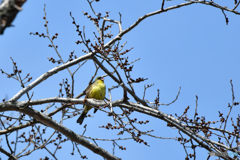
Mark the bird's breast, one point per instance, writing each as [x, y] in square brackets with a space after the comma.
[98, 91]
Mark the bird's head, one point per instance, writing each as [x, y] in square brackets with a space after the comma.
[99, 78]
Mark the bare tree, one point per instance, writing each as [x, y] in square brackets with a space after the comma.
[107, 53]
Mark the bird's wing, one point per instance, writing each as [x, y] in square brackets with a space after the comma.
[88, 90]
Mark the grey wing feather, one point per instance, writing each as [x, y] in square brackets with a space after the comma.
[88, 89]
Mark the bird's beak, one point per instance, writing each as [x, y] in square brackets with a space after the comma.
[102, 78]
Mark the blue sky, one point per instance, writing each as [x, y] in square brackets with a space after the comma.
[191, 47]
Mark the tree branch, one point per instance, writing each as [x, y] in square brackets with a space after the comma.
[49, 74]
[202, 141]
[53, 124]
[8, 12]
[8, 154]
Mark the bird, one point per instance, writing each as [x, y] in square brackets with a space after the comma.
[96, 90]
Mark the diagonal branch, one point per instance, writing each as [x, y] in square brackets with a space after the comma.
[201, 140]
[60, 128]
[49, 74]
[8, 154]
[116, 80]
[8, 12]
[140, 19]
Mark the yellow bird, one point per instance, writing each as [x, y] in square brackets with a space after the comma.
[96, 90]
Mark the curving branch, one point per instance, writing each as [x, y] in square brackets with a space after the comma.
[187, 129]
[8, 154]
[8, 106]
[140, 19]
[49, 74]
[199, 132]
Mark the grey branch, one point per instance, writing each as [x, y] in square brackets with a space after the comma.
[140, 19]
[8, 154]
[49, 74]
[201, 140]
[8, 11]
[16, 106]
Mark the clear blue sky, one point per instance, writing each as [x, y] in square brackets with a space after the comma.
[191, 47]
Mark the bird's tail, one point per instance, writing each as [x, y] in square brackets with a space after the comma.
[81, 118]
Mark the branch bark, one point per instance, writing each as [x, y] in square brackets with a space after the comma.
[8, 12]
[201, 140]
[49, 74]
[8, 154]
[53, 124]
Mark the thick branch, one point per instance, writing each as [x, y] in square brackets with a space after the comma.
[8, 12]
[8, 154]
[202, 141]
[49, 122]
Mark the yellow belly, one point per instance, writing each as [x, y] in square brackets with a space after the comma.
[98, 92]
